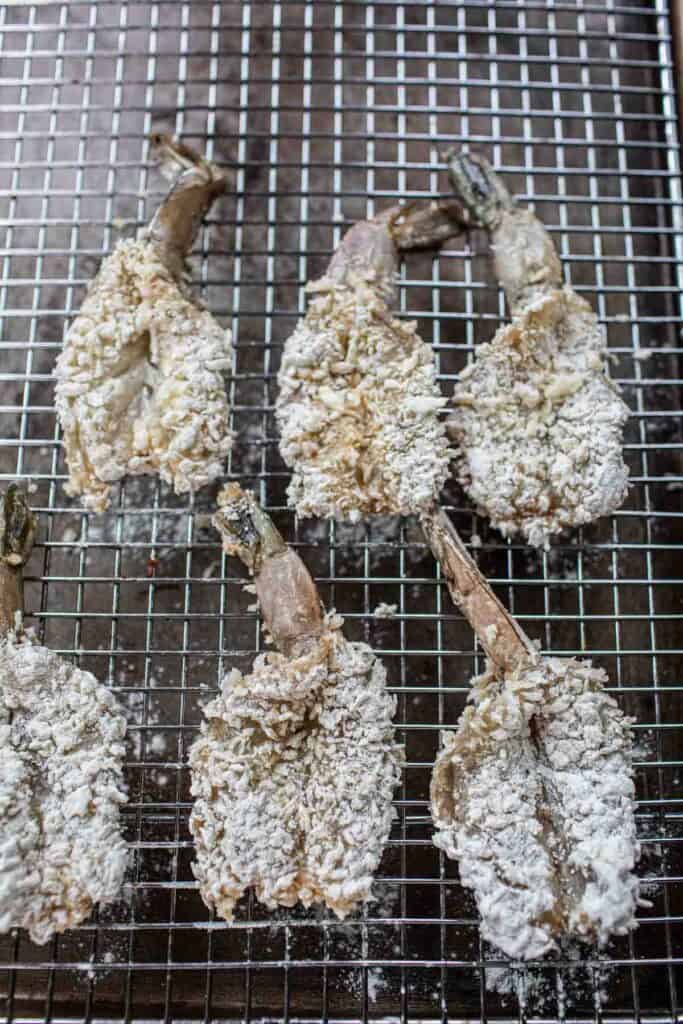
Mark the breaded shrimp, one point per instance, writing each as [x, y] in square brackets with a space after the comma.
[358, 406]
[61, 766]
[295, 767]
[533, 791]
[140, 384]
[537, 423]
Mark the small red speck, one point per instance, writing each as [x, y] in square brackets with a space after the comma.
[152, 564]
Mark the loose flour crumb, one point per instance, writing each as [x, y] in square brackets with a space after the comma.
[377, 983]
[157, 744]
[542, 988]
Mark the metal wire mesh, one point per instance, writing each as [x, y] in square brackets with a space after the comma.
[327, 111]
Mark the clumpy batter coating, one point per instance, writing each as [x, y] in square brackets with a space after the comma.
[139, 381]
[533, 793]
[358, 409]
[538, 425]
[293, 776]
[61, 788]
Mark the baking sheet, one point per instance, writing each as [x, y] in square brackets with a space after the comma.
[325, 112]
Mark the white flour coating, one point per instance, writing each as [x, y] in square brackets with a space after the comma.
[140, 384]
[533, 794]
[293, 776]
[539, 425]
[358, 408]
[61, 787]
[385, 611]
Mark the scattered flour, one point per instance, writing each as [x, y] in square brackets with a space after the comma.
[377, 983]
[387, 900]
[157, 744]
[538, 989]
[138, 523]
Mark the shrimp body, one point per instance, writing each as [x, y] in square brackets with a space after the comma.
[140, 379]
[61, 789]
[537, 422]
[533, 794]
[293, 776]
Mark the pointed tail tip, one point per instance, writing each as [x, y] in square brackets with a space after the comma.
[463, 164]
[175, 156]
[17, 527]
[247, 531]
[477, 186]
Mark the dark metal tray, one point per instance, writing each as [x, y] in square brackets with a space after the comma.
[327, 111]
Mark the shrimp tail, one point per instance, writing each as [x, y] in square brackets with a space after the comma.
[175, 225]
[17, 533]
[288, 598]
[426, 225]
[478, 188]
[370, 249]
[524, 256]
[500, 634]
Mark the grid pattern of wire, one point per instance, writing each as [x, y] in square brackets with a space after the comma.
[327, 111]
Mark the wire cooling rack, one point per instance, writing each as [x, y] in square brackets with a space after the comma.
[325, 112]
